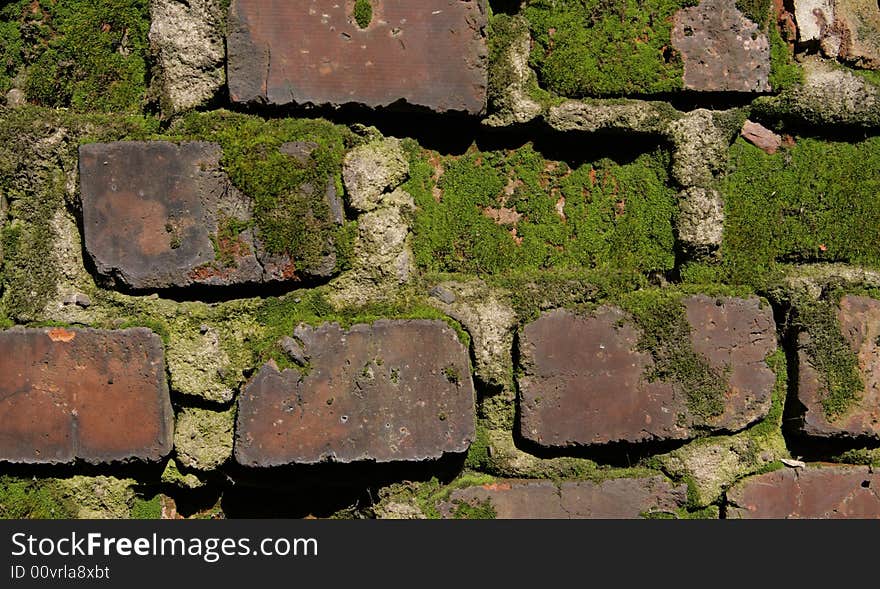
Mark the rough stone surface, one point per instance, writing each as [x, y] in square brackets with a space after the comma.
[387, 392]
[617, 115]
[761, 137]
[586, 382]
[859, 319]
[187, 38]
[813, 18]
[370, 170]
[700, 148]
[700, 222]
[153, 213]
[815, 492]
[203, 438]
[428, 54]
[624, 498]
[383, 257]
[509, 97]
[97, 396]
[829, 96]
[846, 29]
[490, 321]
[722, 50]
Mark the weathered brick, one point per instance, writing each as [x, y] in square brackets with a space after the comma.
[391, 391]
[623, 498]
[430, 54]
[586, 381]
[93, 395]
[815, 492]
[845, 29]
[859, 319]
[722, 50]
[155, 216]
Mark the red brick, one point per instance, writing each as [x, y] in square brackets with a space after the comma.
[585, 381]
[390, 391]
[859, 319]
[430, 54]
[722, 50]
[624, 498]
[816, 492]
[153, 211]
[92, 395]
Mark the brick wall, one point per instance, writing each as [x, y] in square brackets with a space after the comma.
[445, 259]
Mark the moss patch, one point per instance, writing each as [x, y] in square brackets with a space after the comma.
[666, 334]
[813, 202]
[291, 213]
[602, 47]
[142, 508]
[830, 354]
[363, 13]
[784, 71]
[497, 211]
[33, 499]
[83, 54]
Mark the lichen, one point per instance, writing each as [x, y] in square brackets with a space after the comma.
[203, 437]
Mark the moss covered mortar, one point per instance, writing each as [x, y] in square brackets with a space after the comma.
[710, 466]
[513, 93]
[83, 497]
[805, 204]
[829, 96]
[381, 258]
[493, 212]
[90, 55]
[203, 438]
[597, 48]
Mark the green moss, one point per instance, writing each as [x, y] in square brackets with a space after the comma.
[758, 11]
[867, 456]
[31, 498]
[11, 48]
[291, 213]
[147, 508]
[478, 510]
[813, 202]
[604, 47]
[784, 71]
[83, 54]
[363, 13]
[498, 211]
[280, 316]
[666, 335]
[830, 354]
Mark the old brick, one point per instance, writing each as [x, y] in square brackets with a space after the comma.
[156, 215]
[816, 492]
[722, 50]
[587, 382]
[430, 54]
[624, 498]
[859, 319]
[92, 395]
[391, 391]
[761, 137]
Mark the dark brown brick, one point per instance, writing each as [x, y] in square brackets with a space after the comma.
[859, 319]
[92, 395]
[624, 498]
[722, 50]
[816, 492]
[153, 214]
[586, 381]
[390, 391]
[430, 54]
